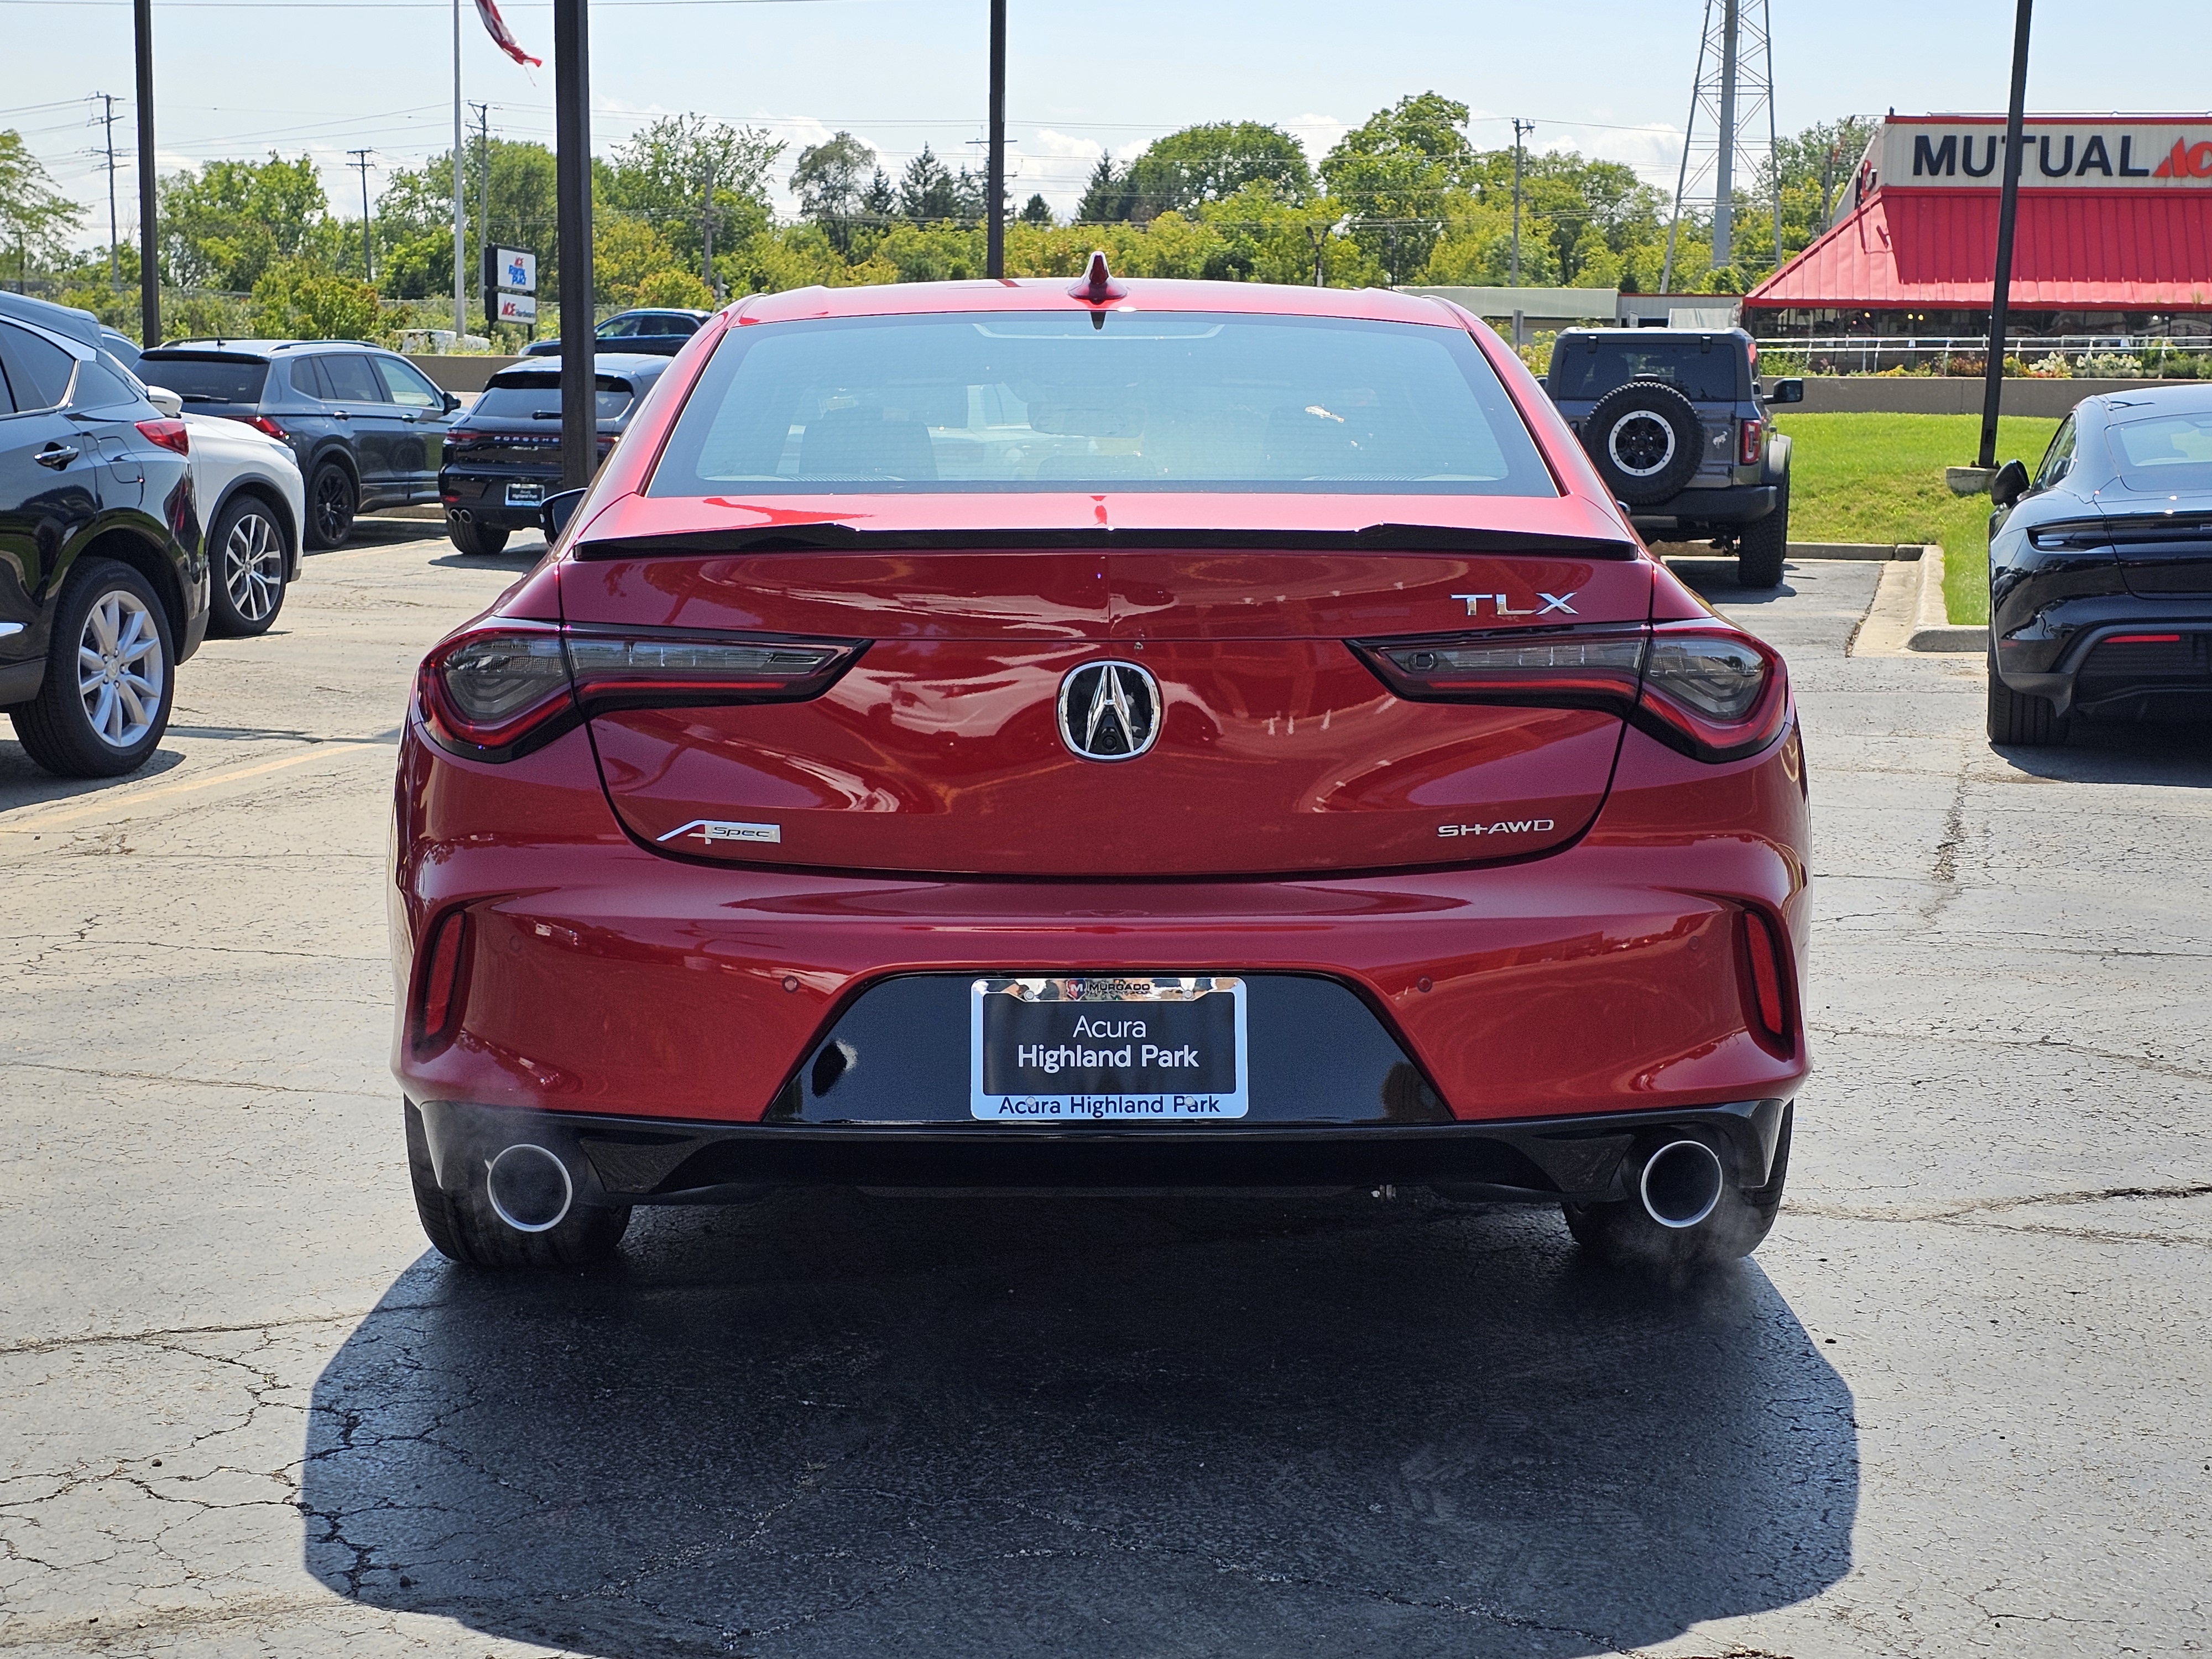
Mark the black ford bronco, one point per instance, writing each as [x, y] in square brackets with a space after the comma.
[1674, 421]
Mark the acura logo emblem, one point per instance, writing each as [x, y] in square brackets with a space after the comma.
[1109, 711]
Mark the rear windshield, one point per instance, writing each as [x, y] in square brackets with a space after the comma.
[1593, 365]
[206, 379]
[2167, 452]
[540, 399]
[1009, 402]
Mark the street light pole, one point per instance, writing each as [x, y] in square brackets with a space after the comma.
[2007, 207]
[995, 170]
[572, 188]
[149, 269]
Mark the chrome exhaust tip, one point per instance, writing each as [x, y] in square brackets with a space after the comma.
[1682, 1184]
[529, 1188]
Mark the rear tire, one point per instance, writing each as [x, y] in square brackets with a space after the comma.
[332, 502]
[250, 553]
[2015, 718]
[1621, 1235]
[1764, 546]
[478, 540]
[110, 677]
[464, 1228]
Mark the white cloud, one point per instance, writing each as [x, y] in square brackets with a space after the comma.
[1318, 133]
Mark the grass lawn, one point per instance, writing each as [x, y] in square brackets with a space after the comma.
[1879, 478]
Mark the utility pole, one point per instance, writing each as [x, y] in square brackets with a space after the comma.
[1521, 130]
[460, 213]
[150, 267]
[2008, 209]
[707, 224]
[572, 189]
[114, 228]
[367, 265]
[994, 169]
[483, 203]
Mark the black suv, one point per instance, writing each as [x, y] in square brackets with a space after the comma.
[1675, 422]
[661, 332]
[366, 426]
[103, 582]
[503, 460]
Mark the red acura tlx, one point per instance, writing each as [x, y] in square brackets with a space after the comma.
[1120, 736]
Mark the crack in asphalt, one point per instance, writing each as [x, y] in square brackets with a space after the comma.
[175, 1081]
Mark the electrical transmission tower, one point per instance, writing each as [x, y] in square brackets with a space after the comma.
[1734, 97]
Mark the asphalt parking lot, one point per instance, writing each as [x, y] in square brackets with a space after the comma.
[1957, 1404]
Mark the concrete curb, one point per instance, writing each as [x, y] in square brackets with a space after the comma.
[1853, 550]
[1932, 628]
[1907, 618]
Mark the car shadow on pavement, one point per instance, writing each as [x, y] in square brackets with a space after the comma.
[1032, 1426]
[1715, 580]
[24, 782]
[2173, 754]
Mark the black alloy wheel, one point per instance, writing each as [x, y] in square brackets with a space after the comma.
[110, 679]
[250, 552]
[1646, 441]
[330, 505]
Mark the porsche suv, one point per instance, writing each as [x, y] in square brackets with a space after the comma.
[1125, 736]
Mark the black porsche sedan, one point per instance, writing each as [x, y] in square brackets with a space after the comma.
[503, 457]
[2100, 569]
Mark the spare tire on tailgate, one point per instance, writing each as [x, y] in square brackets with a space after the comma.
[1645, 441]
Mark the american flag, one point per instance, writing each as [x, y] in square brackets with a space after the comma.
[495, 26]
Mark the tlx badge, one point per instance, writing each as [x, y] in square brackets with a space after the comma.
[1502, 606]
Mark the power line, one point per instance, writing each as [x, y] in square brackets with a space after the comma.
[114, 268]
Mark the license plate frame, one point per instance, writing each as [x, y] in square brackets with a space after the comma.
[525, 494]
[1060, 1010]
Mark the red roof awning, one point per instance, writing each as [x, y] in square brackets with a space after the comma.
[2072, 251]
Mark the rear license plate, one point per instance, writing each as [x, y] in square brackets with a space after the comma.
[529, 494]
[1141, 1048]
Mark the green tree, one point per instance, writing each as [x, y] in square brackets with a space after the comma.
[928, 193]
[1106, 198]
[1213, 161]
[661, 173]
[414, 218]
[1391, 175]
[829, 181]
[225, 225]
[33, 213]
[1036, 211]
[300, 300]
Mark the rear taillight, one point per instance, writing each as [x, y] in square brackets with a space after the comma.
[439, 1007]
[1703, 688]
[1748, 449]
[274, 429]
[461, 437]
[168, 432]
[497, 692]
[640, 669]
[1766, 978]
[1712, 692]
[1583, 669]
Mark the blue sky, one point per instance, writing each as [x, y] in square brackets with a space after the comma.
[1610, 77]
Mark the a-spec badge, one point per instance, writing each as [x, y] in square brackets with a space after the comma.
[1500, 605]
[714, 830]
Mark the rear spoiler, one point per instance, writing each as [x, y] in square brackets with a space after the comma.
[833, 536]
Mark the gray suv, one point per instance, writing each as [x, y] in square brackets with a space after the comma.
[1676, 425]
[368, 427]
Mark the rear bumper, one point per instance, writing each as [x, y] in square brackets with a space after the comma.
[628, 1161]
[2069, 658]
[482, 496]
[604, 979]
[1731, 506]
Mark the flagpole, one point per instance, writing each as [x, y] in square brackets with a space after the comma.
[460, 223]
